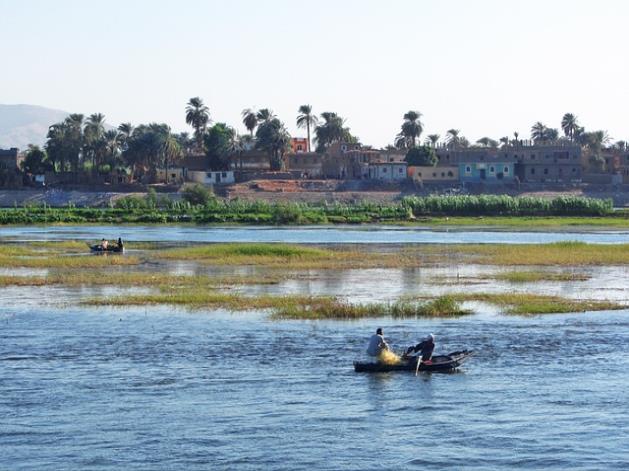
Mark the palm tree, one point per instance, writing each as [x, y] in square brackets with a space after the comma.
[432, 139]
[273, 138]
[483, 141]
[305, 118]
[504, 140]
[412, 127]
[235, 145]
[569, 125]
[539, 132]
[452, 137]
[250, 119]
[265, 115]
[516, 134]
[93, 144]
[197, 116]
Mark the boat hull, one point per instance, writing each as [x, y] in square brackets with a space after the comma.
[448, 362]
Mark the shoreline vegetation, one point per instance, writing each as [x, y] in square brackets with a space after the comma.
[462, 210]
[147, 279]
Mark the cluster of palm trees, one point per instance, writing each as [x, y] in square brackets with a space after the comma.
[78, 143]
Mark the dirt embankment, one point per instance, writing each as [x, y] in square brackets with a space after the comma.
[309, 191]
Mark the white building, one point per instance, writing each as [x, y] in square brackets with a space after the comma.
[211, 178]
[387, 171]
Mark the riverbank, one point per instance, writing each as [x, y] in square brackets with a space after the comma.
[484, 210]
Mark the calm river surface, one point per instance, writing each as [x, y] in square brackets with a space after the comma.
[308, 235]
[166, 389]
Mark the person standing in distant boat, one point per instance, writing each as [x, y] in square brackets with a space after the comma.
[376, 344]
[425, 348]
[120, 244]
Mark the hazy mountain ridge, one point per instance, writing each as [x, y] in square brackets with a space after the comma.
[21, 125]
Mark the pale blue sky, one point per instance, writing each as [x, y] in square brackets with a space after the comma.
[487, 67]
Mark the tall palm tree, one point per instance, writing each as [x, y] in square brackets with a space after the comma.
[516, 134]
[93, 144]
[433, 139]
[250, 119]
[306, 119]
[569, 125]
[504, 140]
[539, 132]
[197, 116]
[452, 136]
[412, 127]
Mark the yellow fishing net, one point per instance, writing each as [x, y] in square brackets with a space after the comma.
[388, 358]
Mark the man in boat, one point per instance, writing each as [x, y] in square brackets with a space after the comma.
[425, 348]
[376, 344]
[104, 243]
[120, 244]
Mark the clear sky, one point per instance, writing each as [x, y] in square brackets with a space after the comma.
[486, 67]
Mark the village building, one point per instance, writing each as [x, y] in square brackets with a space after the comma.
[346, 161]
[298, 145]
[9, 159]
[433, 174]
[556, 163]
[305, 164]
[486, 167]
[211, 177]
[387, 171]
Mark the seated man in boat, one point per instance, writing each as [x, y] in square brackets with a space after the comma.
[425, 347]
[376, 344]
[104, 243]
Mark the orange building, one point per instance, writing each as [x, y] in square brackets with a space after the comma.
[298, 145]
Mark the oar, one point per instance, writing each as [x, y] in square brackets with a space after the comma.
[419, 362]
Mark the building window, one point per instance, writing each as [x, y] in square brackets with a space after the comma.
[532, 171]
[532, 156]
[505, 170]
[574, 170]
[443, 174]
[545, 171]
[468, 169]
[434, 174]
[224, 174]
[401, 170]
[450, 174]
[299, 147]
[492, 169]
[384, 170]
[547, 156]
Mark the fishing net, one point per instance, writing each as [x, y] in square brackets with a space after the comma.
[387, 357]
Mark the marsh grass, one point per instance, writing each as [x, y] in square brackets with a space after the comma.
[135, 278]
[291, 256]
[559, 253]
[67, 261]
[534, 276]
[525, 303]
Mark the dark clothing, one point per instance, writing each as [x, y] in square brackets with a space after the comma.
[426, 348]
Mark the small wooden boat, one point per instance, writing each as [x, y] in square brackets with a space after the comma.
[448, 362]
[112, 248]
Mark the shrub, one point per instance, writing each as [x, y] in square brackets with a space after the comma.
[198, 195]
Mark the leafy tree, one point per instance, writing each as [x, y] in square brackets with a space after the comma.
[150, 147]
[273, 138]
[198, 195]
[217, 145]
[36, 161]
[539, 132]
[197, 116]
[305, 119]
[331, 129]
[250, 120]
[423, 156]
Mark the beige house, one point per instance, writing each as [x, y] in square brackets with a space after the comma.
[434, 174]
[308, 164]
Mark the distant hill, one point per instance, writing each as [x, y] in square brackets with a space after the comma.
[21, 125]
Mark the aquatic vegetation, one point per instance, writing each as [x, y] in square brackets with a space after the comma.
[68, 261]
[292, 256]
[538, 275]
[559, 253]
[526, 303]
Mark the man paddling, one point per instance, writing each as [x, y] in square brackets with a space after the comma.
[376, 344]
[426, 347]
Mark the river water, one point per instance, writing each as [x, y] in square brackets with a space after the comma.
[166, 389]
